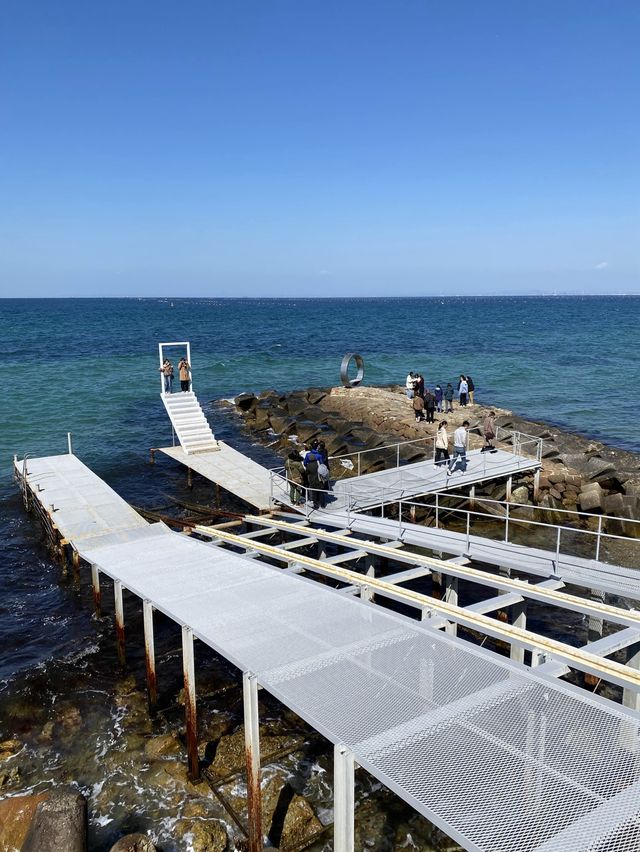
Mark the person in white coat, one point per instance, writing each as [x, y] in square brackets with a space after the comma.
[442, 444]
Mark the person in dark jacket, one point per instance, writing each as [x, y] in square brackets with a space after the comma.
[448, 398]
[429, 405]
[418, 407]
[294, 468]
[311, 462]
[439, 397]
[470, 387]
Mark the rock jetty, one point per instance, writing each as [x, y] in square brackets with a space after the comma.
[578, 474]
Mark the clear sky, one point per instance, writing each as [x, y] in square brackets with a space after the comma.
[270, 147]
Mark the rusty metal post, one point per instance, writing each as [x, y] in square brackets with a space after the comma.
[189, 478]
[75, 561]
[343, 799]
[117, 594]
[536, 486]
[97, 598]
[188, 669]
[150, 656]
[152, 456]
[217, 496]
[252, 753]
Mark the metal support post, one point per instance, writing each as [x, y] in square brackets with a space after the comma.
[536, 486]
[75, 561]
[506, 523]
[509, 487]
[468, 532]
[518, 619]
[343, 799]
[598, 539]
[437, 511]
[69, 444]
[188, 670]
[398, 456]
[97, 597]
[472, 497]
[252, 753]
[189, 478]
[365, 592]
[630, 697]
[451, 596]
[150, 656]
[412, 513]
[358, 464]
[117, 594]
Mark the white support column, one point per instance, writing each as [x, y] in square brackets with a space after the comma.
[117, 594]
[97, 598]
[509, 487]
[191, 720]
[518, 619]
[365, 592]
[451, 596]
[150, 655]
[630, 697]
[343, 799]
[252, 753]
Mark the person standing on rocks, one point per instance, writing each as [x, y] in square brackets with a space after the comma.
[471, 388]
[419, 386]
[184, 369]
[429, 404]
[460, 442]
[323, 470]
[418, 407]
[463, 389]
[439, 397]
[448, 398]
[409, 385]
[489, 430]
[442, 444]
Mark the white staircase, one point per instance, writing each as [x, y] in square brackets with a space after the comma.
[189, 422]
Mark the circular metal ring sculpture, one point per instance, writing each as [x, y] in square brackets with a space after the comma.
[344, 370]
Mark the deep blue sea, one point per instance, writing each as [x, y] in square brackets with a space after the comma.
[90, 367]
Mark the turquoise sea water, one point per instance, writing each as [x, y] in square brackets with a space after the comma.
[90, 366]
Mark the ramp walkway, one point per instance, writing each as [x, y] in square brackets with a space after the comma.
[576, 570]
[502, 758]
[419, 478]
[231, 470]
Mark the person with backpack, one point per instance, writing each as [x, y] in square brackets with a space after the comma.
[429, 404]
[311, 462]
[323, 471]
[448, 398]
[442, 444]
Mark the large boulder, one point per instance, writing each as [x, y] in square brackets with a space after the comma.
[296, 404]
[60, 822]
[315, 395]
[598, 469]
[306, 430]
[246, 401]
[133, 843]
[591, 498]
[283, 424]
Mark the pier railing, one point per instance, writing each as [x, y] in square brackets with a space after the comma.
[583, 534]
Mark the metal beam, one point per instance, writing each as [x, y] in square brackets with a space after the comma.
[150, 655]
[188, 670]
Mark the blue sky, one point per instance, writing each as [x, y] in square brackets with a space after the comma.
[266, 148]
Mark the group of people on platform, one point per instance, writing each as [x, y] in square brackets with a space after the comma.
[184, 371]
[309, 469]
[427, 401]
[461, 443]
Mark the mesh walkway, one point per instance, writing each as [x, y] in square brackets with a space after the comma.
[500, 758]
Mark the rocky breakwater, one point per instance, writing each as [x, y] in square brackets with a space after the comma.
[579, 475]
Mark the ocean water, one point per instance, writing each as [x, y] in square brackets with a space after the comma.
[90, 367]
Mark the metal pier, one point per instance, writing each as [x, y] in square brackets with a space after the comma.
[501, 757]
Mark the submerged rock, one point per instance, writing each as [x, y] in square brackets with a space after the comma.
[59, 822]
[133, 843]
[203, 835]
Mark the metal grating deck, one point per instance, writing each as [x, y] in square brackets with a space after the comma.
[501, 758]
